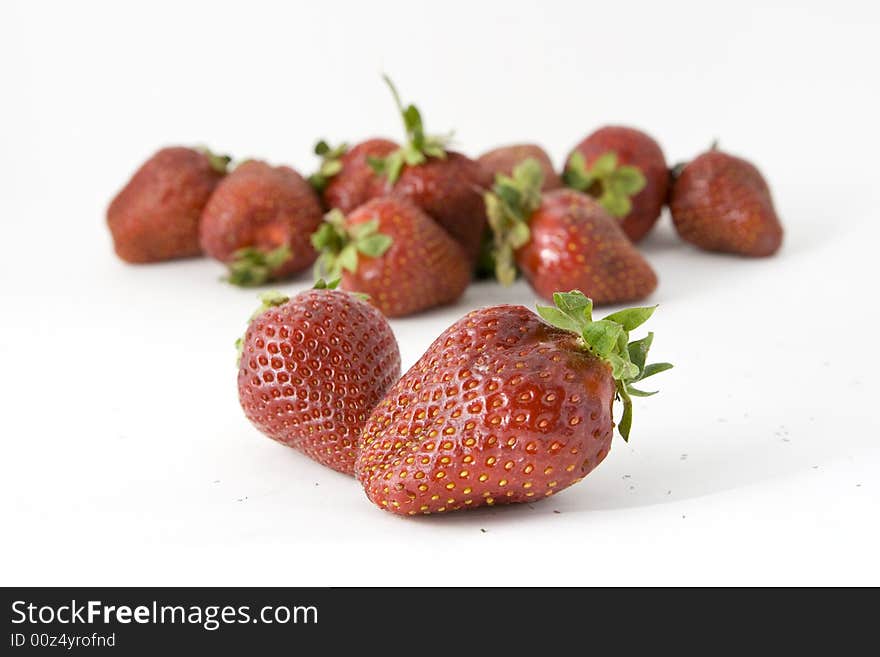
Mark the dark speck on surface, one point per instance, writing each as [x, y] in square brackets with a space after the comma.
[556, 511]
[483, 530]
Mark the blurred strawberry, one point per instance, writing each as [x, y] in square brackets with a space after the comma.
[345, 178]
[392, 251]
[445, 184]
[156, 215]
[562, 240]
[259, 220]
[504, 160]
[625, 169]
[722, 203]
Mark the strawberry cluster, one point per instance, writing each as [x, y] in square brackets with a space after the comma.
[506, 405]
[412, 224]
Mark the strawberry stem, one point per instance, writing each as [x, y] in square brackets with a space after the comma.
[608, 339]
[612, 184]
[509, 206]
[418, 147]
[339, 244]
[331, 164]
[252, 267]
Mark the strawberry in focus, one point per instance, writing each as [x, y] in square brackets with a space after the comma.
[155, 217]
[504, 407]
[562, 240]
[392, 251]
[258, 222]
[720, 202]
[311, 369]
[626, 171]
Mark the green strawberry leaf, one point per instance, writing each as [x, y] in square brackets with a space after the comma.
[374, 245]
[252, 267]
[331, 164]
[509, 206]
[632, 318]
[418, 146]
[655, 368]
[608, 339]
[612, 183]
[601, 336]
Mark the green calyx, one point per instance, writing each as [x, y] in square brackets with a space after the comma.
[418, 147]
[267, 300]
[219, 163]
[611, 183]
[509, 206]
[331, 164]
[339, 244]
[251, 267]
[608, 339]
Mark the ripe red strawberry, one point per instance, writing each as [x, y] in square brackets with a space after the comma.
[504, 408]
[722, 203]
[506, 158]
[392, 251]
[311, 369]
[259, 220]
[625, 169]
[345, 179]
[446, 185]
[155, 216]
[563, 240]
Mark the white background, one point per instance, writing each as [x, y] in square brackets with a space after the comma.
[125, 457]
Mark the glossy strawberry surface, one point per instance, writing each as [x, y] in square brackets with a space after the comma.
[576, 245]
[156, 215]
[262, 207]
[720, 202]
[313, 368]
[423, 268]
[502, 408]
[635, 148]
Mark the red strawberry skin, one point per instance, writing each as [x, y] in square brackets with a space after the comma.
[576, 245]
[312, 369]
[155, 217]
[357, 182]
[264, 207]
[722, 203]
[450, 191]
[424, 267]
[504, 159]
[502, 408]
[634, 148]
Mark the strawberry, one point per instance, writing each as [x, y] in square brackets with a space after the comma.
[722, 203]
[392, 251]
[155, 216]
[504, 160]
[563, 240]
[345, 178]
[625, 169]
[446, 185]
[312, 367]
[504, 407]
[258, 222]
